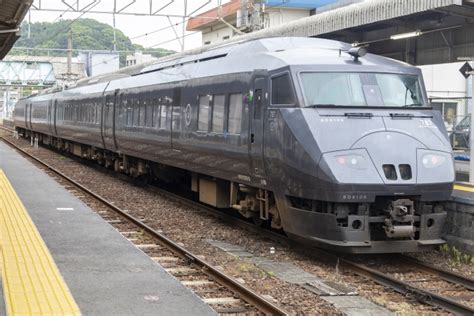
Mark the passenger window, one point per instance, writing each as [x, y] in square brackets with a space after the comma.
[129, 113]
[163, 116]
[149, 113]
[235, 113]
[218, 113]
[136, 113]
[282, 90]
[156, 114]
[143, 105]
[203, 115]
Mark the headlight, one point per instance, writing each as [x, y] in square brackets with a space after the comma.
[432, 160]
[352, 161]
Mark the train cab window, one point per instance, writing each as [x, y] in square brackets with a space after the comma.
[282, 90]
[235, 114]
[218, 109]
[163, 112]
[203, 114]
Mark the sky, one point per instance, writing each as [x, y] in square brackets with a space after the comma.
[134, 27]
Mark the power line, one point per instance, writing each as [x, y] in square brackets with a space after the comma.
[174, 39]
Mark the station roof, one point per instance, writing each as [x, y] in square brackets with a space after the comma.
[12, 13]
[446, 28]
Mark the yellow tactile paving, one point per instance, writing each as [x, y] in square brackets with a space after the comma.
[463, 188]
[32, 284]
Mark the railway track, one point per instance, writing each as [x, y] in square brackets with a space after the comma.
[394, 280]
[222, 292]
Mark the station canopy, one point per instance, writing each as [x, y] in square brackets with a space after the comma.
[416, 31]
[12, 13]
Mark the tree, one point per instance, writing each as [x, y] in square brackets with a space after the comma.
[88, 34]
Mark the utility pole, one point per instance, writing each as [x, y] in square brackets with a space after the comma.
[115, 33]
[471, 141]
[69, 56]
[184, 24]
[467, 71]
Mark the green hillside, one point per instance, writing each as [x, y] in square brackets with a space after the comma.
[86, 34]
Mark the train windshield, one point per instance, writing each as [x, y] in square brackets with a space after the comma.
[362, 89]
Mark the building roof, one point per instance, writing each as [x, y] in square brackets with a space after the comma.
[213, 15]
[376, 20]
[12, 13]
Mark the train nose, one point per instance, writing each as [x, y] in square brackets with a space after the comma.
[404, 159]
[393, 154]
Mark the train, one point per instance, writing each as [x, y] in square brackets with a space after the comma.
[336, 147]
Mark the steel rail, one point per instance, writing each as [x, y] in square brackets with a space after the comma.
[244, 292]
[405, 288]
[381, 278]
[444, 274]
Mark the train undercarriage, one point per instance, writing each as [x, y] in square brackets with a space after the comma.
[390, 224]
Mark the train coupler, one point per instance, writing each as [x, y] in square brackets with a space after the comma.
[400, 220]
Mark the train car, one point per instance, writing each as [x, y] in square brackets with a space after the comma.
[335, 147]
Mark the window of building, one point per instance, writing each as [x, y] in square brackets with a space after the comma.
[448, 111]
[203, 115]
[218, 109]
[226, 37]
[282, 90]
[235, 113]
[149, 113]
[207, 42]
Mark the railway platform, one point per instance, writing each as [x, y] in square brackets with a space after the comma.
[459, 229]
[59, 257]
[463, 193]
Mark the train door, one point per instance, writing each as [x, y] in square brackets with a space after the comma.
[256, 120]
[108, 120]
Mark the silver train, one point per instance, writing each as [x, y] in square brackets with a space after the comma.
[337, 148]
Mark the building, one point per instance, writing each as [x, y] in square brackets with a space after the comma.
[138, 58]
[99, 63]
[243, 16]
[448, 90]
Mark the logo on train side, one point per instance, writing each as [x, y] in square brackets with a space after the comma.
[187, 114]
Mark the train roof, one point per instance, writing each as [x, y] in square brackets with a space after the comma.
[289, 50]
[268, 53]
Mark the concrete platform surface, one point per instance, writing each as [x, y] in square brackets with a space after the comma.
[106, 274]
